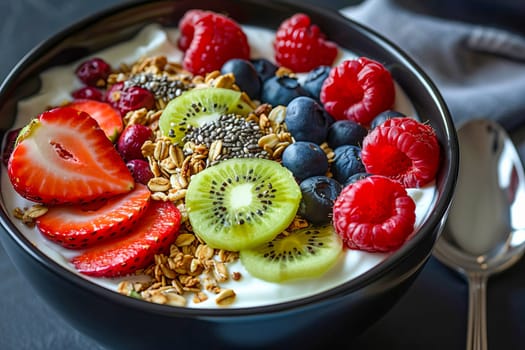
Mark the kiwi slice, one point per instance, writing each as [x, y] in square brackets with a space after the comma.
[242, 203]
[304, 253]
[198, 106]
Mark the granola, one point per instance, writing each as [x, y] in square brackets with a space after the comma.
[190, 269]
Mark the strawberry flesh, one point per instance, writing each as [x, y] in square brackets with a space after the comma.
[152, 235]
[82, 226]
[64, 157]
[107, 117]
[10, 142]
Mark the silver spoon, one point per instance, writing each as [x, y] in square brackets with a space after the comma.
[485, 230]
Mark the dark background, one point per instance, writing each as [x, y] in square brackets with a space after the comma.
[432, 315]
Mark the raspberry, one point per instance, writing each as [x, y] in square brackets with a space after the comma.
[358, 90]
[210, 40]
[374, 214]
[404, 150]
[93, 72]
[187, 27]
[301, 46]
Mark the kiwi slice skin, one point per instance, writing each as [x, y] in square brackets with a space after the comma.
[304, 253]
[242, 203]
[198, 106]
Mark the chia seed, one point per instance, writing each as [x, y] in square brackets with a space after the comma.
[160, 85]
[239, 137]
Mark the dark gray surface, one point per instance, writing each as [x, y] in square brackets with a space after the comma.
[432, 315]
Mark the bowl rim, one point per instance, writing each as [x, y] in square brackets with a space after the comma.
[432, 221]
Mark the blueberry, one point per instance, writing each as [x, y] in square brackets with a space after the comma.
[281, 90]
[265, 69]
[356, 177]
[383, 116]
[246, 76]
[305, 159]
[345, 132]
[347, 162]
[306, 120]
[318, 196]
[315, 79]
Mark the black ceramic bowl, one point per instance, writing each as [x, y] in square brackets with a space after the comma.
[121, 322]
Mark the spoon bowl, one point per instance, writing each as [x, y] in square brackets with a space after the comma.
[485, 230]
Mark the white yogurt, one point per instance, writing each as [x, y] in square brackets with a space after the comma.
[57, 84]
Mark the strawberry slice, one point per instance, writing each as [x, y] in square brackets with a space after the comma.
[64, 157]
[84, 225]
[107, 117]
[10, 142]
[152, 235]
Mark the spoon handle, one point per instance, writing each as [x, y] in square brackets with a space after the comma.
[477, 316]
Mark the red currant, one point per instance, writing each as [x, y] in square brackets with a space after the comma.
[129, 99]
[140, 170]
[88, 93]
[131, 140]
[93, 72]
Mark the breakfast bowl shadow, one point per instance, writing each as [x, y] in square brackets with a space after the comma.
[120, 322]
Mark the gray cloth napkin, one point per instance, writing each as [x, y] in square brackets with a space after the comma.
[479, 70]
